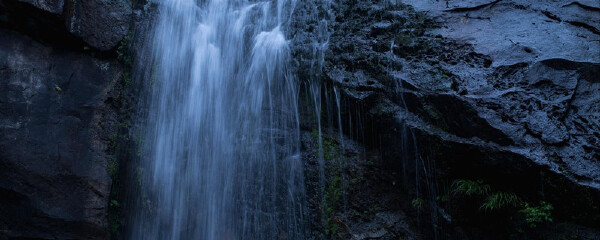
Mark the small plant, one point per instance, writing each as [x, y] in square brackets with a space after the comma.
[443, 198]
[112, 167]
[538, 214]
[315, 134]
[124, 56]
[470, 187]
[123, 50]
[57, 88]
[334, 193]
[331, 201]
[114, 218]
[332, 227]
[418, 203]
[113, 140]
[329, 149]
[501, 200]
[381, 107]
[127, 77]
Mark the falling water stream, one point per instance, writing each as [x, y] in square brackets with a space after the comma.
[223, 130]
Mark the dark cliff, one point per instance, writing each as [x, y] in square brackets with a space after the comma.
[63, 100]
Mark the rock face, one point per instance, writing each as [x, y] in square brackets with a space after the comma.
[541, 89]
[358, 199]
[515, 31]
[101, 24]
[63, 104]
[506, 92]
[544, 108]
[53, 140]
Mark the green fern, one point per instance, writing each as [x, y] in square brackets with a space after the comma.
[501, 200]
[538, 214]
[470, 187]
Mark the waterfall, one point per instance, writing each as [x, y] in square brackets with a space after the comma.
[222, 134]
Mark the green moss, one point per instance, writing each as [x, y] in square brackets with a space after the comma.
[114, 218]
[315, 134]
[123, 53]
[112, 167]
[332, 227]
[332, 199]
[334, 191]
[125, 57]
[330, 146]
[113, 138]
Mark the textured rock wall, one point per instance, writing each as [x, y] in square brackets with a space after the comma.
[504, 92]
[101, 24]
[61, 96]
[53, 168]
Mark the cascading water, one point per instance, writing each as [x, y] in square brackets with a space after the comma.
[223, 129]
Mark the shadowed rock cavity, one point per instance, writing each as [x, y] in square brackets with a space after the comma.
[99, 24]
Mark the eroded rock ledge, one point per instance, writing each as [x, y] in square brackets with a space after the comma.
[502, 92]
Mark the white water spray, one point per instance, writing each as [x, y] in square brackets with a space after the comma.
[223, 131]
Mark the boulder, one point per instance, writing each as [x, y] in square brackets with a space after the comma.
[53, 163]
[101, 24]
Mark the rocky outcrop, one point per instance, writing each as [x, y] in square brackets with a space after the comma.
[515, 31]
[541, 89]
[65, 101]
[53, 161]
[505, 92]
[100, 24]
[543, 108]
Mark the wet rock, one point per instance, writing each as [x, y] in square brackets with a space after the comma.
[100, 23]
[483, 95]
[53, 140]
[517, 31]
[51, 6]
[358, 201]
[532, 103]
